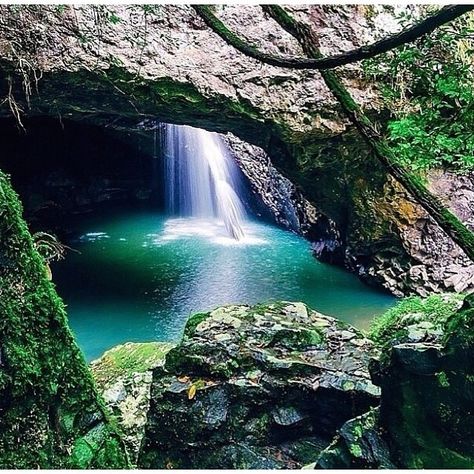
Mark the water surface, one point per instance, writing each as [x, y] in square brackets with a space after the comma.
[139, 275]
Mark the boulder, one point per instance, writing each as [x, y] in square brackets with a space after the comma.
[256, 387]
[123, 375]
[425, 419]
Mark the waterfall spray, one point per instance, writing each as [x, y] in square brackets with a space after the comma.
[201, 177]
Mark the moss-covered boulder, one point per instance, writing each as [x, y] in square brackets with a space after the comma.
[50, 413]
[123, 375]
[256, 387]
[427, 406]
[426, 376]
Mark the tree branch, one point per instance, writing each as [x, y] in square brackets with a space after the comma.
[453, 227]
[444, 15]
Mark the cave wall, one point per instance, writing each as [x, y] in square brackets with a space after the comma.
[63, 168]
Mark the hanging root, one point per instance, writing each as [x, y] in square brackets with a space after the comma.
[16, 110]
[49, 246]
[29, 79]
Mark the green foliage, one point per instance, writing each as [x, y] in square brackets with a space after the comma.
[391, 326]
[427, 86]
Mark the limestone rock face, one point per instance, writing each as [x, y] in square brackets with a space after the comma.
[422, 259]
[256, 387]
[171, 43]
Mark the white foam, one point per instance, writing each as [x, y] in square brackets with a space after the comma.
[212, 230]
[93, 236]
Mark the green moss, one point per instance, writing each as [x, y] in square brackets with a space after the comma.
[193, 323]
[82, 454]
[443, 379]
[391, 327]
[45, 383]
[460, 327]
[298, 339]
[356, 450]
[129, 358]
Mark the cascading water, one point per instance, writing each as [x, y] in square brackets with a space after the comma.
[201, 178]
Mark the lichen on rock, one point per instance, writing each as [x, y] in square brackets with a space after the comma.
[256, 386]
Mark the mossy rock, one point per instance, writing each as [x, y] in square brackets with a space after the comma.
[129, 358]
[415, 319]
[48, 398]
[358, 445]
[124, 377]
[252, 374]
[428, 393]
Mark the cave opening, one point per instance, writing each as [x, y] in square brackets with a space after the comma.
[133, 272]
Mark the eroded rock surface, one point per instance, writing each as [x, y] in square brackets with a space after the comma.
[124, 375]
[256, 387]
[422, 259]
[171, 43]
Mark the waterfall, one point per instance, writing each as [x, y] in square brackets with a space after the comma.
[201, 179]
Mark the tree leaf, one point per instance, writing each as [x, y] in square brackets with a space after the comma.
[191, 392]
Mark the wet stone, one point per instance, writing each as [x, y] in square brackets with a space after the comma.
[247, 382]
